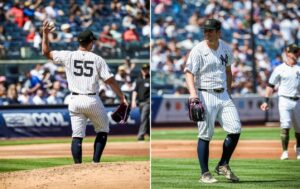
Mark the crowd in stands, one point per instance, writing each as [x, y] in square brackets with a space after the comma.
[123, 26]
[176, 28]
[47, 84]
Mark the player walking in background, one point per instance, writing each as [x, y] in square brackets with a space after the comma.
[142, 93]
[287, 76]
[208, 77]
[84, 69]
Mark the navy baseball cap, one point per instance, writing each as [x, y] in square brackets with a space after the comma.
[292, 48]
[86, 35]
[145, 66]
[211, 24]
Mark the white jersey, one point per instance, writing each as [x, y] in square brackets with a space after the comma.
[209, 66]
[83, 70]
[288, 79]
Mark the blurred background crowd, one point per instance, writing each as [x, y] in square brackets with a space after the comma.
[122, 28]
[176, 28]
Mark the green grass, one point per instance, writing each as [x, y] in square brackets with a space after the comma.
[254, 133]
[254, 174]
[26, 141]
[7, 165]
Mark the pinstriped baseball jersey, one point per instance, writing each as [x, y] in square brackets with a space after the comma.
[209, 69]
[288, 79]
[209, 66]
[83, 70]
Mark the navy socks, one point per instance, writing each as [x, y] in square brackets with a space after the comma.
[99, 146]
[76, 149]
[229, 145]
[203, 153]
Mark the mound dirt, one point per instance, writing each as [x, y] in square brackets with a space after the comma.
[125, 175]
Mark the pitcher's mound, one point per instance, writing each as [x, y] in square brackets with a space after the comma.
[125, 175]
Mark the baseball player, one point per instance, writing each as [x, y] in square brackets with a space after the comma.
[208, 77]
[287, 76]
[84, 69]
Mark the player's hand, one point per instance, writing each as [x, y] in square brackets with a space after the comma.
[264, 106]
[46, 27]
[193, 96]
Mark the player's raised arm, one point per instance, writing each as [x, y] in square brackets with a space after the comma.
[45, 41]
[115, 87]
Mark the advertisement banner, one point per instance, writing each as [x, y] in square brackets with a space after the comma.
[173, 109]
[39, 121]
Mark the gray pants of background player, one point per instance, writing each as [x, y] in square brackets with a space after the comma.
[145, 119]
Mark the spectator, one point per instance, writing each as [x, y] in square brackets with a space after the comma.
[121, 77]
[51, 11]
[12, 94]
[24, 97]
[38, 98]
[16, 14]
[53, 98]
[276, 62]
[106, 39]
[128, 65]
[37, 71]
[65, 35]
[33, 83]
[3, 99]
[130, 35]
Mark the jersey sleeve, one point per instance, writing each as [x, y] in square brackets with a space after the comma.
[193, 62]
[60, 57]
[104, 71]
[275, 77]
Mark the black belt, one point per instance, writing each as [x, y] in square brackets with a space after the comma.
[220, 90]
[73, 93]
[292, 98]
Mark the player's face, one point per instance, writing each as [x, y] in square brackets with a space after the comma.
[210, 35]
[292, 56]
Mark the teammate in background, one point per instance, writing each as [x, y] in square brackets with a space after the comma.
[287, 76]
[84, 69]
[209, 64]
[142, 91]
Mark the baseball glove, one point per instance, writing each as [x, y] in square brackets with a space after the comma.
[120, 115]
[196, 110]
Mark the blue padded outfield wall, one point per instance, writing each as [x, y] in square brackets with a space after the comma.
[44, 121]
[168, 109]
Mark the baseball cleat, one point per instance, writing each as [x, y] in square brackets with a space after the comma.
[297, 150]
[284, 155]
[226, 171]
[207, 178]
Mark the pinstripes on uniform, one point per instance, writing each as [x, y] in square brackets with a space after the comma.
[84, 70]
[288, 78]
[209, 68]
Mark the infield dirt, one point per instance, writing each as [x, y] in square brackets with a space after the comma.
[125, 175]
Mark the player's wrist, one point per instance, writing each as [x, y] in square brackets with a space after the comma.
[267, 100]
